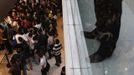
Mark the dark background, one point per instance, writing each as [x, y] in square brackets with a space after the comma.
[5, 6]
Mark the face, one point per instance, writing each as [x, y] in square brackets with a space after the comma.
[13, 14]
[5, 7]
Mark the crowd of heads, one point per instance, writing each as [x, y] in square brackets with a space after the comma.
[35, 21]
[33, 16]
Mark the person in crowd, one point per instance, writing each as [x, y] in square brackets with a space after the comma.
[45, 66]
[50, 45]
[52, 30]
[36, 49]
[31, 42]
[15, 65]
[59, 4]
[63, 71]
[1, 38]
[42, 41]
[6, 38]
[16, 36]
[57, 52]
[25, 55]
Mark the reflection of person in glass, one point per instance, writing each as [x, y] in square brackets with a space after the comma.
[108, 21]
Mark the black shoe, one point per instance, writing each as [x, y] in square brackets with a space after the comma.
[96, 58]
[91, 35]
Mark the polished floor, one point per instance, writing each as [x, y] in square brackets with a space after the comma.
[54, 70]
[122, 61]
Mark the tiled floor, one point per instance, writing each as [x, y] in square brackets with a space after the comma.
[54, 70]
[122, 61]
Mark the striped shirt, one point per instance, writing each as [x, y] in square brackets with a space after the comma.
[56, 49]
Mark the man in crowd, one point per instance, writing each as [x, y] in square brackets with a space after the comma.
[5, 37]
[57, 52]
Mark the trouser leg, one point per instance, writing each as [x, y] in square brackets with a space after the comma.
[8, 47]
[24, 69]
[58, 60]
[50, 50]
[43, 71]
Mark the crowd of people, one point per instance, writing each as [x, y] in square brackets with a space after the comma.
[31, 30]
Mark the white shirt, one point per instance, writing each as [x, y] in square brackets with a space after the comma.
[50, 40]
[38, 26]
[31, 42]
[37, 1]
[43, 62]
[22, 36]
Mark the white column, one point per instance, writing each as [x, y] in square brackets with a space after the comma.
[76, 55]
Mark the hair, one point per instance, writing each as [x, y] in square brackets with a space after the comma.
[30, 34]
[63, 68]
[20, 39]
[35, 37]
[40, 53]
[57, 41]
[1, 27]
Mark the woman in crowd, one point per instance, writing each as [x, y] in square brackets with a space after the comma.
[45, 66]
